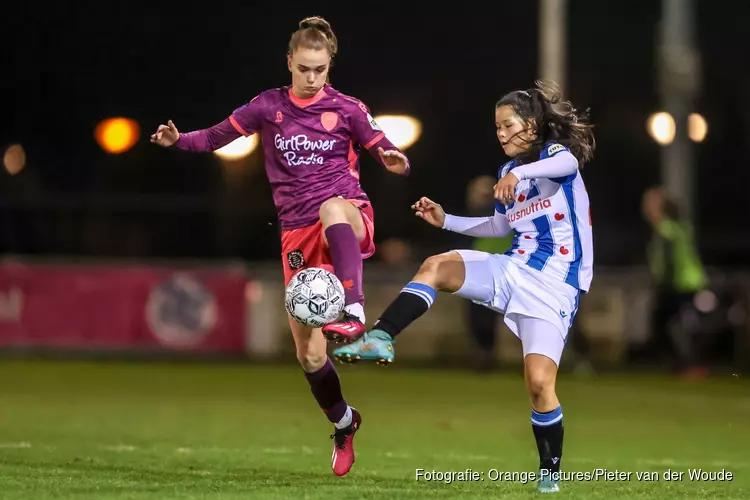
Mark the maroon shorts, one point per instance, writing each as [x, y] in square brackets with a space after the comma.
[306, 246]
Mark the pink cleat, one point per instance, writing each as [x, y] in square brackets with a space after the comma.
[342, 458]
[344, 331]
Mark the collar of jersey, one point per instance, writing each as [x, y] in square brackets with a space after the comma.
[303, 103]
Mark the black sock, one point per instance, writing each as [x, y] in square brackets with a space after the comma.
[413, 301]
[548, 431]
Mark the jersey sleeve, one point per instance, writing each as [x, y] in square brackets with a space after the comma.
[502, 171]
[367, 133]
[364, 128]
[551, 150]
[248, 118]
[209, 139]
[496, 226]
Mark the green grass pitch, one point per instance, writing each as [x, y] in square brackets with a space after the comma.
[160, 431]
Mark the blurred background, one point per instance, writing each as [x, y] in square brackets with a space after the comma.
[144, 346]
[112, 245]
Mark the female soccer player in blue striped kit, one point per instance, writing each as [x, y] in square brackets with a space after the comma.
[541, 197]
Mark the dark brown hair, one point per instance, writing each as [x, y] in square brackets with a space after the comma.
[566, 125]
[314, 33]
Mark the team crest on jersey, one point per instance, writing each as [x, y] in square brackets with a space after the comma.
[296, 260]
[373, 123]
[329, 120]
[554, 149]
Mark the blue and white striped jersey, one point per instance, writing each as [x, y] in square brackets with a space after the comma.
[551, 220]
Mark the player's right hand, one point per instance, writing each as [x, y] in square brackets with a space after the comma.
[165, 135]
[429, 211]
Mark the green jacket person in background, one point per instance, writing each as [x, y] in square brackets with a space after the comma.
[678, 275]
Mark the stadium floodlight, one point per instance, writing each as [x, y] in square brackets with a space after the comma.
[238, 148]
[402, 130]
[697, 127]
[661, 127]
[117, 135]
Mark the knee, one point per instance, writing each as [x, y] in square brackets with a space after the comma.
[311, 358]
[540, 386]
[333, 208]
[431, 266]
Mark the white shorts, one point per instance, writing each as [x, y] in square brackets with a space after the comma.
[516, 290]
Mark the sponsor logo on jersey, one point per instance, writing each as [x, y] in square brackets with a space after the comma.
[531, 209]
[301, 150]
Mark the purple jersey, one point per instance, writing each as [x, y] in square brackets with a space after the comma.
[311, 148]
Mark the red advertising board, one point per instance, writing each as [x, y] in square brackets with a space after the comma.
[121, 307]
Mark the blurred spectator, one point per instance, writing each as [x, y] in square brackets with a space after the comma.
[483, 322]
[23, 217]
[678, 277]
[395, 252]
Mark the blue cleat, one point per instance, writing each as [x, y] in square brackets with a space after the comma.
[547, 483]
[372, 346]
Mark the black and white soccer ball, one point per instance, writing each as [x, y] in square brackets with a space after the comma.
[314, 297]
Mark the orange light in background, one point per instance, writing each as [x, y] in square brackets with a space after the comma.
[238, 148]
[14, 159]
[661, 127]
[697, 127]
[117, 135]
[401, 130]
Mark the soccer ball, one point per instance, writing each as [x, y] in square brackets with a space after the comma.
[314, 297]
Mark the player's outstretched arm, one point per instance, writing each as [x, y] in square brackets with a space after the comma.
[368, 133]
[559, 166]
[496, 226]
[205, 140]
[165, 135]
[394, 160]
[429, 211]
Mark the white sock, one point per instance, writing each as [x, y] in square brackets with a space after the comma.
[346, 420]
[357, 310]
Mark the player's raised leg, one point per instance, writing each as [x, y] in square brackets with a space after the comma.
[453, 272]
[344, 230]
[326, 387]
[542, 348]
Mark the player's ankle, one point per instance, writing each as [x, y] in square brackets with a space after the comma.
[380, 335]
[356, 309]
[346, 420]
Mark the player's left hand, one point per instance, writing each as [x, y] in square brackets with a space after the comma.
[505, 189]
[395, 161]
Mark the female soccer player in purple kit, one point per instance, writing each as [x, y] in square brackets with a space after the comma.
[312, 135]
